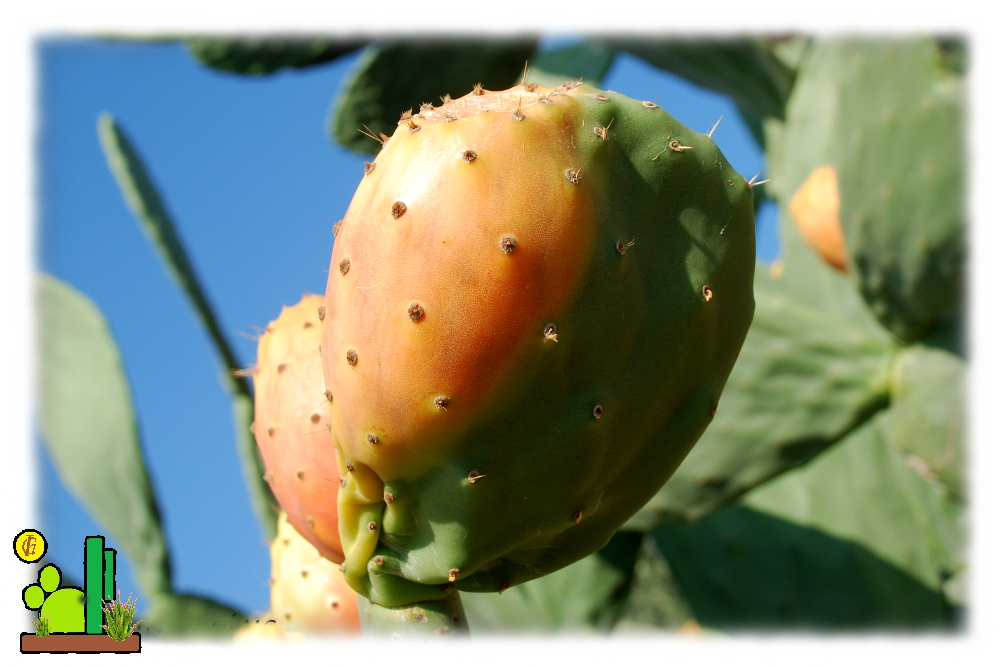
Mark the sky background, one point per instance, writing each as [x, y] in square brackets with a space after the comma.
[254, 184]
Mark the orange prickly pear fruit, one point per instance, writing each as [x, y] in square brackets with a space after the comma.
[534, 301]
[291, 425]
[308, 593]
[815, 209]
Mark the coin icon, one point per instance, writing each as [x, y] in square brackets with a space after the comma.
[30, 546]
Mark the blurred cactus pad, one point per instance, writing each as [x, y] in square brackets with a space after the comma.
[559, 393]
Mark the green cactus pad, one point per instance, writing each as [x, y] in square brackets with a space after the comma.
[803, 380]
[928, 414]
[745, 570]
[901, 193]
[49, 578]
[392, 76]
[265, 55]
[64, 609]
[795, 149]
[654, 600]
[33, 596]
[88, 425]
[744, 68]
[619, 247]
[901, 166]
[588, 61]
[855, 540]
[807, 139]
[585, 596]
[865, 491]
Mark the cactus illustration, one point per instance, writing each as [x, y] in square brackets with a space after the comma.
[98, 581]
[490, 429]
[62, 606]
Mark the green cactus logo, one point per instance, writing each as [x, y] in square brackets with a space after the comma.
[62, 606]
[71, 619]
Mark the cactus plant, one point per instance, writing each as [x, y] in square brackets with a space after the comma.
[490, 427]
[901, 196]
[853, 540]
[804, 380]
[843, 414]
[151, 213]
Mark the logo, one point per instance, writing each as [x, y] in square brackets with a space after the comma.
[30, 546]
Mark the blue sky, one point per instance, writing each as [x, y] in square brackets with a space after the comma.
[254, 184]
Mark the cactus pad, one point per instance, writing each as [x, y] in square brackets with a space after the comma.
[928, 414]
[901, 172]
[396, 74]
[854, 540]
[263, 55]
[804, 379]
[898, 152]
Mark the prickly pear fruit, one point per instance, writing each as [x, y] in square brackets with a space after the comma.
[291, 425]
[815, 209]
[534, 301]
[308, 593]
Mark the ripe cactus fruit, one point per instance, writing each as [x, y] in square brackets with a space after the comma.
[815, 209]
[547, 291]
[308, 593]
[291, 425]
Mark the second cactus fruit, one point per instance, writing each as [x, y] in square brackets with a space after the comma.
[291, 425]
[815, 208]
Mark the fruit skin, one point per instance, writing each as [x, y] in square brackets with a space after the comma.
[509, 448]
[815, 208]
[308, 593]
[291, 425]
